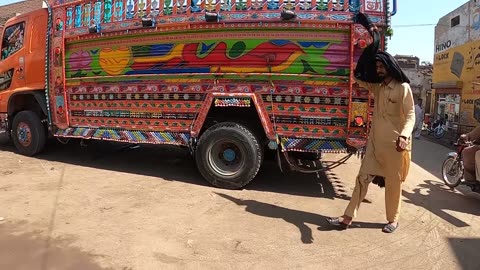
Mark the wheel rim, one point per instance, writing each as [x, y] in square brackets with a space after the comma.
[226, 157]
[451, 171]
[24, 134]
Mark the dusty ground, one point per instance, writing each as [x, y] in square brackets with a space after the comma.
[104, 207]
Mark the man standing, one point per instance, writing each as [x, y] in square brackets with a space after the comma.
[388, 150]
[418, 120]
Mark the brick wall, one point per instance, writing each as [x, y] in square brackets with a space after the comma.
[8, 11]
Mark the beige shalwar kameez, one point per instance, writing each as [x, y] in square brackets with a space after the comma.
[393, 116]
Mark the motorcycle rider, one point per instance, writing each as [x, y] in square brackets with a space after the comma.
[471, 155]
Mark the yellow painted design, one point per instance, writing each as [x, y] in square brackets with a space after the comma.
[114, 61]
[359, 109]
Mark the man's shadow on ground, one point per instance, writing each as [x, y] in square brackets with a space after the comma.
[298, 218]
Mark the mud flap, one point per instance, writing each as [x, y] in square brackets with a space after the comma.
[4, 129]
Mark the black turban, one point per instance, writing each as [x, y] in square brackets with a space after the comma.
[392, 66]
[366, 67]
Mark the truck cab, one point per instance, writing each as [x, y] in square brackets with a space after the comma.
[22, 69]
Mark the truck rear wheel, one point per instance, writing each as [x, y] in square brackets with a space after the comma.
[228, 155]
[28, 133]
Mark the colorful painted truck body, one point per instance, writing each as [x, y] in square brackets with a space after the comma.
[227, 79]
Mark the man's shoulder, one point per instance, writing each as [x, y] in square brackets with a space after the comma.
[404, 86]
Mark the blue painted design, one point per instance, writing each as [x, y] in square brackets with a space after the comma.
[107, 11]
[280, 42]
[205, 48]
[130, 6]
[314, 44]
[97, 12]
[118, 10]
[305, 15]
[69, 17]
[78, 16]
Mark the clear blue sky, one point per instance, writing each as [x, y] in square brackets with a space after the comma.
[408, 36]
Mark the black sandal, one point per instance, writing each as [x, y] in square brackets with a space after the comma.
[389, 228]
[335, 221]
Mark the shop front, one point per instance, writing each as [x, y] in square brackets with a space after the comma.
[456, 85]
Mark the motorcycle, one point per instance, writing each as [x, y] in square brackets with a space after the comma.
[453, 170]
[438, 128]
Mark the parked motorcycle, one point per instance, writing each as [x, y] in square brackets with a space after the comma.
[453, 170]
[438, 128]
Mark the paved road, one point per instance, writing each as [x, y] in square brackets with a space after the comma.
[104, 207]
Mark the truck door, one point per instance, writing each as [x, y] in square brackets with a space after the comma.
[12, 61]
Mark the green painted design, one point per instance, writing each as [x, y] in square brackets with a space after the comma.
[297, 129]
[139, 60]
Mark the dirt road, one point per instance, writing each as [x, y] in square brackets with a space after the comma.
[108, 207]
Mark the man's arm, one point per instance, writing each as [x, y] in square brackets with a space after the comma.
[408, 111]
[372, 87]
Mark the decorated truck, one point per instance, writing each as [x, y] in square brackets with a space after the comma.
[231, 80]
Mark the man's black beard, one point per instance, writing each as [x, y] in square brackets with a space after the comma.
[381, 77]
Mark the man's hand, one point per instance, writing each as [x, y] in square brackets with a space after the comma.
[401, 144]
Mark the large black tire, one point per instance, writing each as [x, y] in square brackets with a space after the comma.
[28, 133]
[228, 155]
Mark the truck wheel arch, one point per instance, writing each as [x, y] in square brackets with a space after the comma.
[30, 100]
[213, 111]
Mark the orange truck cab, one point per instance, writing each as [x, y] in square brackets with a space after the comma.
[22, 70]
[230, 80]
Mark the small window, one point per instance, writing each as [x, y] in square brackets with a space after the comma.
[455, 21]
[13, 38]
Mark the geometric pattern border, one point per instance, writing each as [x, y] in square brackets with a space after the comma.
[133, 136]
[313, 145]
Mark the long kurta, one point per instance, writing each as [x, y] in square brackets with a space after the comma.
[393, 116]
